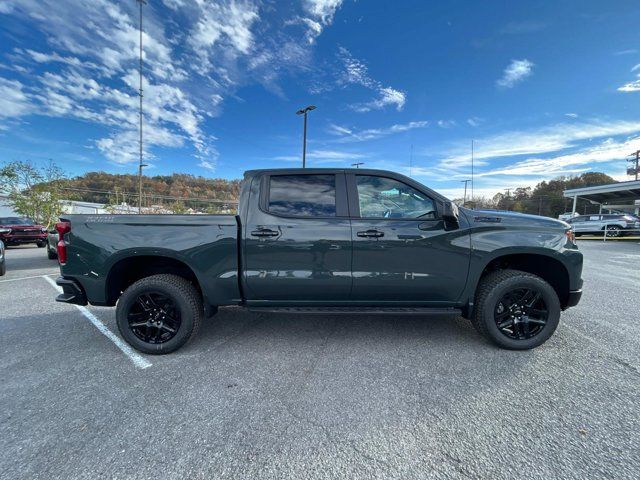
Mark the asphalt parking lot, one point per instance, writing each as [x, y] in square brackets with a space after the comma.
[267, 396]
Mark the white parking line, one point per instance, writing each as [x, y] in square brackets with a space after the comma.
[27, 278]
[138, 360]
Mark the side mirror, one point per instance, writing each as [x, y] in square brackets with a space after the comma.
[450, 215]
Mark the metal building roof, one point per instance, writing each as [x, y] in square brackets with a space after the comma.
[614, 192]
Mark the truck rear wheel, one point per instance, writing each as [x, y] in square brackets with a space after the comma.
[159, 314]
[516, 310]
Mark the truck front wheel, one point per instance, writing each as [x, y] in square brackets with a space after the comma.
[516, 310]
[159, 314]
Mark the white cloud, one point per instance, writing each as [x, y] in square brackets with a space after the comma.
[323, 156]
[446, 123]
[353, 135]
[571, 115]
[538, 141]
[630, 87]
[387, 96]
[192, 63]
[581, 160]
[633, 86]
[14, 102]
[321, 13]
[629, 51]
[475, 121]
[356, 73]
[224, 27]
[515, 72]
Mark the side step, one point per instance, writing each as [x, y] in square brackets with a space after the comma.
[359, 310]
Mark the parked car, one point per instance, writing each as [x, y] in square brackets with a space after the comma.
[3, 265]
[52, 245]
[21, 230]
[615, 224]
[326, 241]
[567, 215]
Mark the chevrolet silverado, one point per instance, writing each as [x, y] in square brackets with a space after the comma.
[328, 241]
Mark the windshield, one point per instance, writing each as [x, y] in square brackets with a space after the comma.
[16, 221]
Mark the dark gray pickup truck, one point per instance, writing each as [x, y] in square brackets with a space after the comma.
[325, 241]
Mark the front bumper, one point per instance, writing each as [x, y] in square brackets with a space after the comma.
[17, 240]
[71, 292]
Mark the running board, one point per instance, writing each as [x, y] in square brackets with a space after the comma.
[359, 310]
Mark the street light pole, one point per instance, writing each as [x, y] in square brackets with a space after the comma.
[140, 165]
[304, 111]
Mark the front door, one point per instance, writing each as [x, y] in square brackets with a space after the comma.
[298, 240]
[401, 250]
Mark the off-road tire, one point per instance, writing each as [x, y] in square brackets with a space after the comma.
[492, 288]
[186, 299]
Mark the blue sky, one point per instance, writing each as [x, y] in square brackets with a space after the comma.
[544, 88]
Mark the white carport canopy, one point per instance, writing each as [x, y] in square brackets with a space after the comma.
[618, 196]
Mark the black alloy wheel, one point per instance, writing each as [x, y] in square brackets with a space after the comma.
[159, 314]
[515, 309]
[521, 313]
[154, 318]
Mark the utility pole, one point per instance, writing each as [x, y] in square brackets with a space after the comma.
[357, 165]
[634, 170]
[140, 165]
[472, 171]
[464, 198]
[304, 111]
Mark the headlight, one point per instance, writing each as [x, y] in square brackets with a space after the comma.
[5, 230]
[43, 230]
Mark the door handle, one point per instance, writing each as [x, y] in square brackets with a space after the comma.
[371, 233]
[264, 232]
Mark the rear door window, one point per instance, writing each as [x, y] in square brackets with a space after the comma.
[302, 195]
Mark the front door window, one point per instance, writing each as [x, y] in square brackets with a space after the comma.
[381, 197]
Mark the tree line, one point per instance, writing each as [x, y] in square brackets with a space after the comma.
[546, 198]
[36, 191]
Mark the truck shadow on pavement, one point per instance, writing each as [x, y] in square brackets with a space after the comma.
[238, 326]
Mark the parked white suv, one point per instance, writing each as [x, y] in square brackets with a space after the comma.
[615, 224]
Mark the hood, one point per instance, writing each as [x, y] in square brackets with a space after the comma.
[488, 217]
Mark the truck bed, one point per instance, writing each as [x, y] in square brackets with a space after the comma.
[107, 245]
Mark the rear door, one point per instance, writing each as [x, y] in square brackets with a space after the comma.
[297, 239]
[401, 250]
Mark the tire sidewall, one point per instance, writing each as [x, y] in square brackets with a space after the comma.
[495, 295]
[128, 299]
